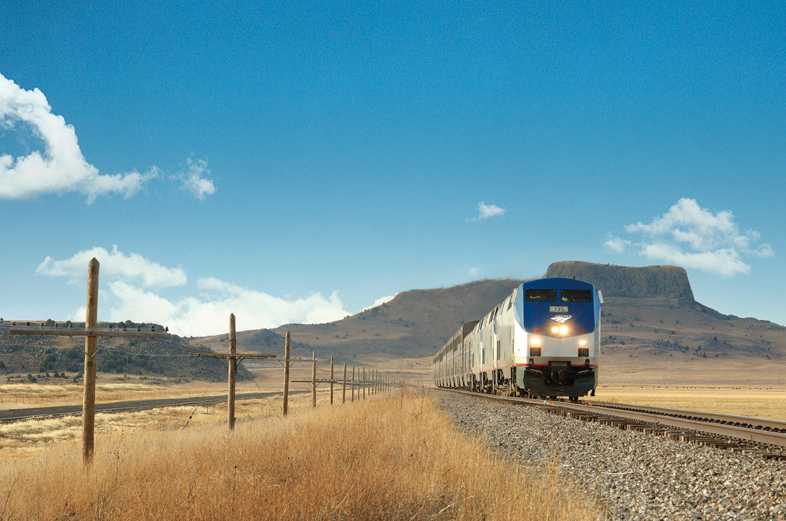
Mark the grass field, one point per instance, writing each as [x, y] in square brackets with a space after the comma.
[389, 457]
[762, 402]
[384, 458]
[733, 386]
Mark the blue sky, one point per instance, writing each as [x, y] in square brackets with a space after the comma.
[295, 162]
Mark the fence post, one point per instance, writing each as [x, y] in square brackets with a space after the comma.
[232, 371]
[353, 384]
[344, 388]
[286, 373]
[91, 345]
[331, 379]
[314, 380]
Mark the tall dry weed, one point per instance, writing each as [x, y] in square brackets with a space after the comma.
[386, 458]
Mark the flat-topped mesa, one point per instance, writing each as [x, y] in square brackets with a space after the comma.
[661, 282]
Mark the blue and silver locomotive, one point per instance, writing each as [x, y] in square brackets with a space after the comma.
[543, 340]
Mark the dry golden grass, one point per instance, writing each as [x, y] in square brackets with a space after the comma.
[743, 387]
[27, 438]
[393, 457]
[108, 389]
[756, 402]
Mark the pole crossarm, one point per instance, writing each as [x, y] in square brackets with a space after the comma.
[328, 380]
[227, 355]
[318, 380]
[90, 333]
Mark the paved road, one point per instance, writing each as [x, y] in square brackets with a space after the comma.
[11, 415]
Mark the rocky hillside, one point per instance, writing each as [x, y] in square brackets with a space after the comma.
[659, 282]
[652, 311]
[647, 311]
[413, 324]
[62, 356]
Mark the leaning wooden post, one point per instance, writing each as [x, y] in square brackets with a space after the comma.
[286, 373]
[331, 379]
[232, 371]
[314, 380]
[91, 344]
[344, 386]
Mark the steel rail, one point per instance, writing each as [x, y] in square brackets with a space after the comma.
[740, 421]
[729, 431]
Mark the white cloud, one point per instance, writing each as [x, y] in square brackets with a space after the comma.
[114, 265]
[130, 287]
[694, 237]
[614, 244]
[195, 182]
[486, 211]
[61, 168]
[380, 301]
[475, 272]
[209, 314]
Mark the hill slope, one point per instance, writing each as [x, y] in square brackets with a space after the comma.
[45, 355]
[649, 311]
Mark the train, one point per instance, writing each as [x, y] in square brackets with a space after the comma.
[541, 341]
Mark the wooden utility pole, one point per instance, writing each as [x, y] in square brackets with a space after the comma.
[314, 381]
[91, 347]
[232, 371]
[91, 334]
[331, 379]
[232, 357]
[286, 373]
[344, 386]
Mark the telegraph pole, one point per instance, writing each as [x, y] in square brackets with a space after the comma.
[233, 357]
[91, 334]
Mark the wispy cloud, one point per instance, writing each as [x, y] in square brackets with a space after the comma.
[380, 301]
[114, 265]
[475, 272]
[486, 211]
[195, 182]
[694, 237]
[132, 289]
[615, 244]
[59, 167]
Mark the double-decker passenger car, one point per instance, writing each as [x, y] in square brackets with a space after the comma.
[541, 340]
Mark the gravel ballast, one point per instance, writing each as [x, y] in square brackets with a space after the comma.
[632, 474]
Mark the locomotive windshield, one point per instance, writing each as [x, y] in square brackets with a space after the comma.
[541, 295]
[576, 295]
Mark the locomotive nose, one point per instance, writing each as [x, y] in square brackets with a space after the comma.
[559, 375]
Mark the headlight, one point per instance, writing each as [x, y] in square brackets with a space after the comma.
[535, 341]
[563, 330]
[583, 342]
[555, 329]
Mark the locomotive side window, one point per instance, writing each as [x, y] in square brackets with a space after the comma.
[576, 295]
[541, 295]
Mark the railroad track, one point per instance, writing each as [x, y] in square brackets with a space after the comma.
[765, 438]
